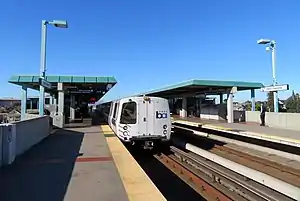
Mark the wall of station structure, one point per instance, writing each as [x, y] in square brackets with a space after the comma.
[30, 132]
[277, 120]
[18, 137]
[209, 110]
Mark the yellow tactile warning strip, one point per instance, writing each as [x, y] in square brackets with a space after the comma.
[274, 137]
[136, 182]
[216, 127]
[261, 135]
[189, 123]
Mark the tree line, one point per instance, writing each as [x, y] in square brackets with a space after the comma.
[290, 105]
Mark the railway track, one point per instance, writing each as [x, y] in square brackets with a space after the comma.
[282, 172]
[213, 181]
[229, 151]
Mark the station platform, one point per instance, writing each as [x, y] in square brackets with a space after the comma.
[254, 130]
[83, 163]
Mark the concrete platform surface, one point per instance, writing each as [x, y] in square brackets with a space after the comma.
[95, 176]
[292, 135]
[138, 185]
[73, 164]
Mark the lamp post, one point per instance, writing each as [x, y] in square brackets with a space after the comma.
[58, 24]
[272, 46]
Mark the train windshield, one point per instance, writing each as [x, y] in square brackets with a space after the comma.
[128, 114]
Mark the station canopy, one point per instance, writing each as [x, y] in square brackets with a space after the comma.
[197, 87]
[72, 84]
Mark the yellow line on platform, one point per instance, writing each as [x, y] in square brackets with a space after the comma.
[273, 137]
[136, 182]
[261, 135]
[217, 127]
[105, 128]
[189, 123]
[108, 132]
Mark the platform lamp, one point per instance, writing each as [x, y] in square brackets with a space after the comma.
[58, 24]
[271, 45]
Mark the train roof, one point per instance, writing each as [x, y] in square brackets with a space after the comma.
[115, 99]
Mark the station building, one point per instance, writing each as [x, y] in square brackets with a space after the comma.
[69, 96]
[191, 98]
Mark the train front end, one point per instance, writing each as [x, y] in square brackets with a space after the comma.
[145, 121]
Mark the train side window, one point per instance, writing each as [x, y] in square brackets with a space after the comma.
[108, 109]
[129, 113]
[115, 110]
[47, 101]
[111, 109]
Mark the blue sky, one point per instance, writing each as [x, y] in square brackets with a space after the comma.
[150, 44]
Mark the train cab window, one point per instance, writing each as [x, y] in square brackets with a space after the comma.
[129, 113]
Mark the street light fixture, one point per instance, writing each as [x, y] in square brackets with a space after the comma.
[263, 41]
[58, 24]
[271, 46]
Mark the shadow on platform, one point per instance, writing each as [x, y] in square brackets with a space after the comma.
[43, 172]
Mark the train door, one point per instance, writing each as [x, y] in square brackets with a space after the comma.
[114, 116]
[150, 114]
[111, 113]
[142, 117]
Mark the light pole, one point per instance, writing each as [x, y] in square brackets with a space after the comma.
[58, 24]
[272, 46]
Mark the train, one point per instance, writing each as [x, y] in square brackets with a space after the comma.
[139, 120]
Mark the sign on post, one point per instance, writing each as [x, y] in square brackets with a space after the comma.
[275, 88]
[45, 83]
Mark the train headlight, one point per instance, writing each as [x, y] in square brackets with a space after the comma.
[125, 127]
[165, 126]
[125, 133]
[165, 132]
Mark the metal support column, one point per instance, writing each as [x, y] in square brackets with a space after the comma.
[72, 107]
[42, 67]
[252, 100]
[61, 103]
[230, 113]
[23, 102]
[184, 107]
[275, 93]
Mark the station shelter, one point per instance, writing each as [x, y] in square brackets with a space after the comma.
[70, 96]
[192, 98]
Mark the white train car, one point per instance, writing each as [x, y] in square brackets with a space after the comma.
[139, 120]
